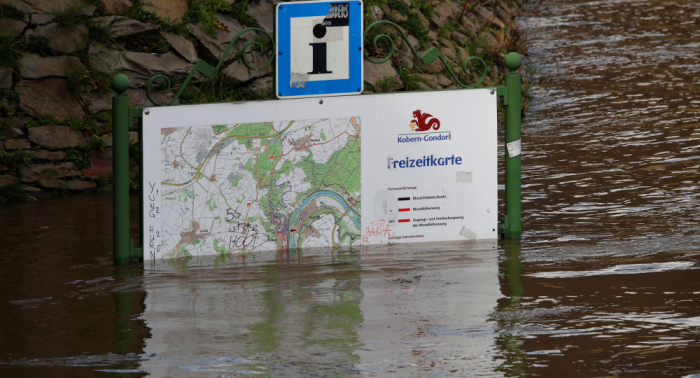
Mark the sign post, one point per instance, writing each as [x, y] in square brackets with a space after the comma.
[511, 222]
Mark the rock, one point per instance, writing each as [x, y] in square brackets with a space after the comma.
[97, 102]
[504, 15]
[463, 55]
[423, 86]
[139, 67]
[263, 12]
[445, 12]
[423, 20]
[491, 40]
[6, 180]
[39, 6]
[49, 97]
[107, 7]
[376, 72]
[444, 81]
[166, 10]
[488, 17]
[35, 172]
[41, 19]
[49, 155]
[17, 144]
[12, 132]
[406, 61]
[376, 12]
[59, 39]
[448, 53]
[239, 72]
[216, 46]
[394, 14]
[100, 164]
[56, 137]
[414, 42]
[108, 139]
[13, 127]
[121, 28]
[467, 25]
[48, 6]
[459, 37]
[139, 98]
[433, 35]
[77, 185]
[36, 67]
[5, 78]
[182, 46]
[10, 26]
[262, 84]
[431, 80]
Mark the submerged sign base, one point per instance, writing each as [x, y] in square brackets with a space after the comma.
[376, 169]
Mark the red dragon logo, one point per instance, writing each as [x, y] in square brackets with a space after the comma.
[423, 121]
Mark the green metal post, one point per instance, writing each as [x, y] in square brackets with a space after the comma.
[120, 167]
[511, 221]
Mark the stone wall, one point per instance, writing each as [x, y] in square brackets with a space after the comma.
[58, 57]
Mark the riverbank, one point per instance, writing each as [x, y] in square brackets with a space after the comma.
[58, 59]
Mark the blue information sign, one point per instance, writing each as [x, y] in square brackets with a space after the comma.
[319, 48]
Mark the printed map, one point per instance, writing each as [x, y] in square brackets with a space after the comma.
[260, 186]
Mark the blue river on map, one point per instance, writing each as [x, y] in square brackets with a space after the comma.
[319, 194]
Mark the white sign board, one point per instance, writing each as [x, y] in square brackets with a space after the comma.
[319, 48]
[339, 171]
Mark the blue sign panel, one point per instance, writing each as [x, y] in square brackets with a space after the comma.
[319, 48]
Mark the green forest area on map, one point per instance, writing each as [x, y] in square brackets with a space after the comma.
[260, 186]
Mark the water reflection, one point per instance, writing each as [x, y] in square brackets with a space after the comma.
[604, 282]
[334, 313]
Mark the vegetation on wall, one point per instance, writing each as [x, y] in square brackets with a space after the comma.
[457, 36]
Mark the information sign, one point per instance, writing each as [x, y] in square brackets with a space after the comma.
[319, 48]
[338, 171]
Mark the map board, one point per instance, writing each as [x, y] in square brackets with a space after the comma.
[304, 173]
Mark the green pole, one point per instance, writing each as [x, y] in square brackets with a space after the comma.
[120, 167]
[512, 223]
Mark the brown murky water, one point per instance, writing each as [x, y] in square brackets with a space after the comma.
[604, 283]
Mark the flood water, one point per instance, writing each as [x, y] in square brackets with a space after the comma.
[605, 281]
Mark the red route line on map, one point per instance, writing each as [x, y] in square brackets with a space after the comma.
[274, 168]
